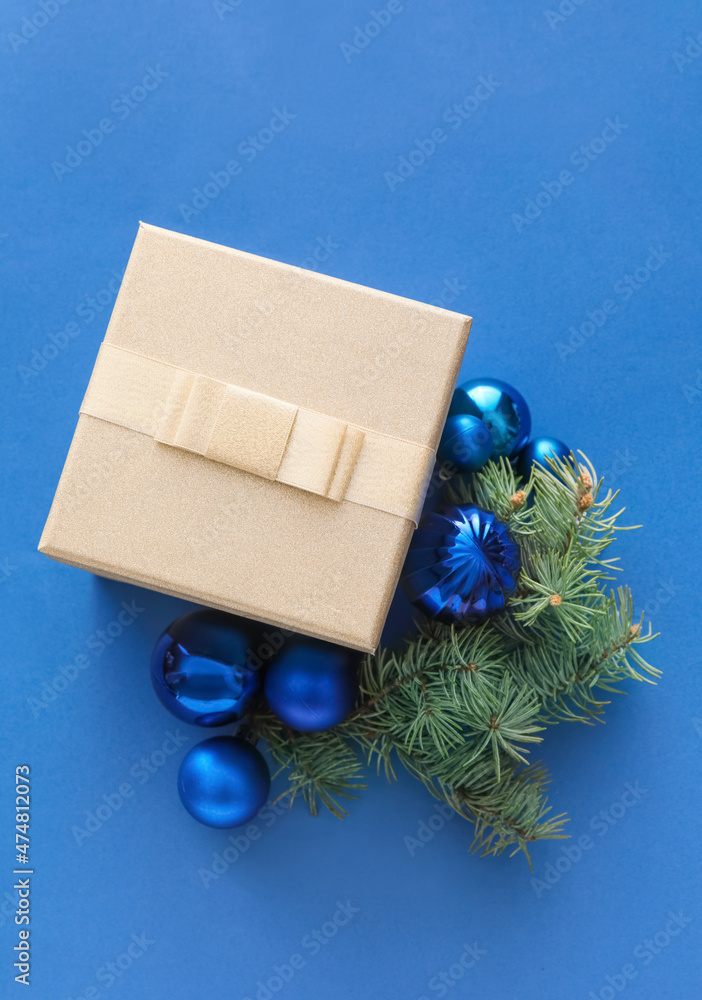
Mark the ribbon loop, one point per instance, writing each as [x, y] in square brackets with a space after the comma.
[251, 431]
[312, 456]
[258, 434]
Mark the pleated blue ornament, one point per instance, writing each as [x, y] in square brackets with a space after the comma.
[462, 565]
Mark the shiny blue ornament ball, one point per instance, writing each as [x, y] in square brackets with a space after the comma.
[199, 668]
[223, 781]
[462, 565]
[465, 443]
[500, 407]
[312, 685]
[537, 451]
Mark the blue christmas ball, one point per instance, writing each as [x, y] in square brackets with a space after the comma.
[223, 781]
[462, 565]
[500, 407]
[537, 451]
[465, 443]
[312, 685]
[199, 668]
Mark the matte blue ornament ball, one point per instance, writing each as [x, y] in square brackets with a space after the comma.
[500, 407]
[465, 443]
[199, 668]
[537, 451]
[223, 781]
[312, 685]
[462, 565]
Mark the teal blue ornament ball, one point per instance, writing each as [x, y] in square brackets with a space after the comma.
[539, 450]
[223, 781]
[466, 443]
[312, 685]
[500, 407]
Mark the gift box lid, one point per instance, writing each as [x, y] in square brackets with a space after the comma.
[256, 437]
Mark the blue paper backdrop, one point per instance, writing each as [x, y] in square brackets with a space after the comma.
[561, 209]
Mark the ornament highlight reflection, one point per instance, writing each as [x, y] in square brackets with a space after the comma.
[200, 671]
[537, 451]
[501, 407]
[466, 443]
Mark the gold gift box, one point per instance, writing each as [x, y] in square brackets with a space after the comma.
[256, 438]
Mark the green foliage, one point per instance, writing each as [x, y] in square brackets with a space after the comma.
[459, 707]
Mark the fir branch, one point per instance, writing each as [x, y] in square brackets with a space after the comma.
[504, 725]
[457, 706]
[512, 813]
[320, 766]
[564, 588]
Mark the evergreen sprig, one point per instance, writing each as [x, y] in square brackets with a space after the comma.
[460, 706]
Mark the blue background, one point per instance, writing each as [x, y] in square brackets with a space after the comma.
[628, 392]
